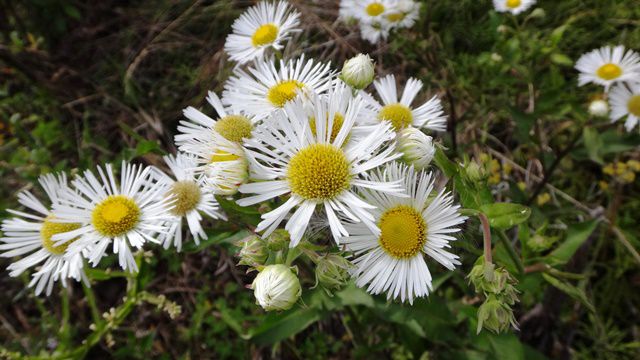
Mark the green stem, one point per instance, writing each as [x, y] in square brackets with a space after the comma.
[65, 329]
[511, 251]
[91, 300]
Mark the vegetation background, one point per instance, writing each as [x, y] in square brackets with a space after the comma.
[89, 82]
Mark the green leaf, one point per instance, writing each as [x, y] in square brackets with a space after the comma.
[505, 215]
[593, 143]
[506, 346]
[277, 327]
[561, 59]
[572, 291]
[448, 167]
[576, 236]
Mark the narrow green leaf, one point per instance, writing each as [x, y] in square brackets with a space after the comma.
[572, 291]
[576, 236]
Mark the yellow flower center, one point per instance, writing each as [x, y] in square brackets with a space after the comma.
[375, 9]
[319, 171]
[395, 17]
[266, 34]
[186, 195]
[115, 215]
[609, 71]
[338, 120]
[634, 105]
[399, 115]
[50, 228]
[403, 232]
[513, 3]
[284, 91]
[234, 128]
[221, 155]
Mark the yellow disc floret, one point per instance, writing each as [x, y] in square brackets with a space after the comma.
[115, 216]
[513, 3]
[234, 128]
[375, 9]
[399, 115]
[319, 171]
[185, 195]
[50, 228]
[634, 105]
[609, 71]
[396, 17]
[338, 120]
[264, 35]
[284, 91]
[402, 232]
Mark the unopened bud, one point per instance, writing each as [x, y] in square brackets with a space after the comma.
[276, 288]
[538, 13]
[253, 252]
[278, 240]
[599, 108]
[495, 315]
[332, 271]
[416, 147]
[358, 72]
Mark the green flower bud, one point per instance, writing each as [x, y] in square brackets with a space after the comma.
[253, 252]
[416, 147]
[332, 271]
[358, 72]
[276, 288]
[474, 171]
[491, 281]
[495, 315]
[278, 240]
[538, 13]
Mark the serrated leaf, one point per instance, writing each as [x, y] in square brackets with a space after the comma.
[505, 215]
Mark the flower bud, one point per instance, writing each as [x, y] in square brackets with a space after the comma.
[227, 172]
[278, 240]
[276, 288]
[599, 108]
[416, 147]
[495, 315]
[538, 13]
[332, 271]
[495, 57]
[475, 171]
[253, 252]
[491, 281]
[358, 72]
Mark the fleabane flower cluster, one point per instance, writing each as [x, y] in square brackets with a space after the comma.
[617, 70]
[323, 161]
[377, 18]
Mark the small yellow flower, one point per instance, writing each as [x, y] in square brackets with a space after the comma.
[620, 168]
[627, 177]
[604, 186]
[609, 169]
[634, 165]
[543, 199]
[522, 185]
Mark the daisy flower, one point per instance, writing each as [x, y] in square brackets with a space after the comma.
[374, 31]
[625, 101]
[315, 168]
[513, 6]
[400, 113]
[265, 88]
[198, 127]
[125, 214]
[31, 233]
[392, 259]
[263, 26]
[608, 65]
[190, 200]
[403, 13]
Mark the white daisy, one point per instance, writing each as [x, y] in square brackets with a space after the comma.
[263, 26]
[127, 214]
[198, 127]
[392, 259]
[315, 168]
[513, 6]
[400, 113]
[32, 233]
[403, 13]
[625, 101]
[190, 200]
[370, 11]
[374, 31]
[265, 88]
[608, 65]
